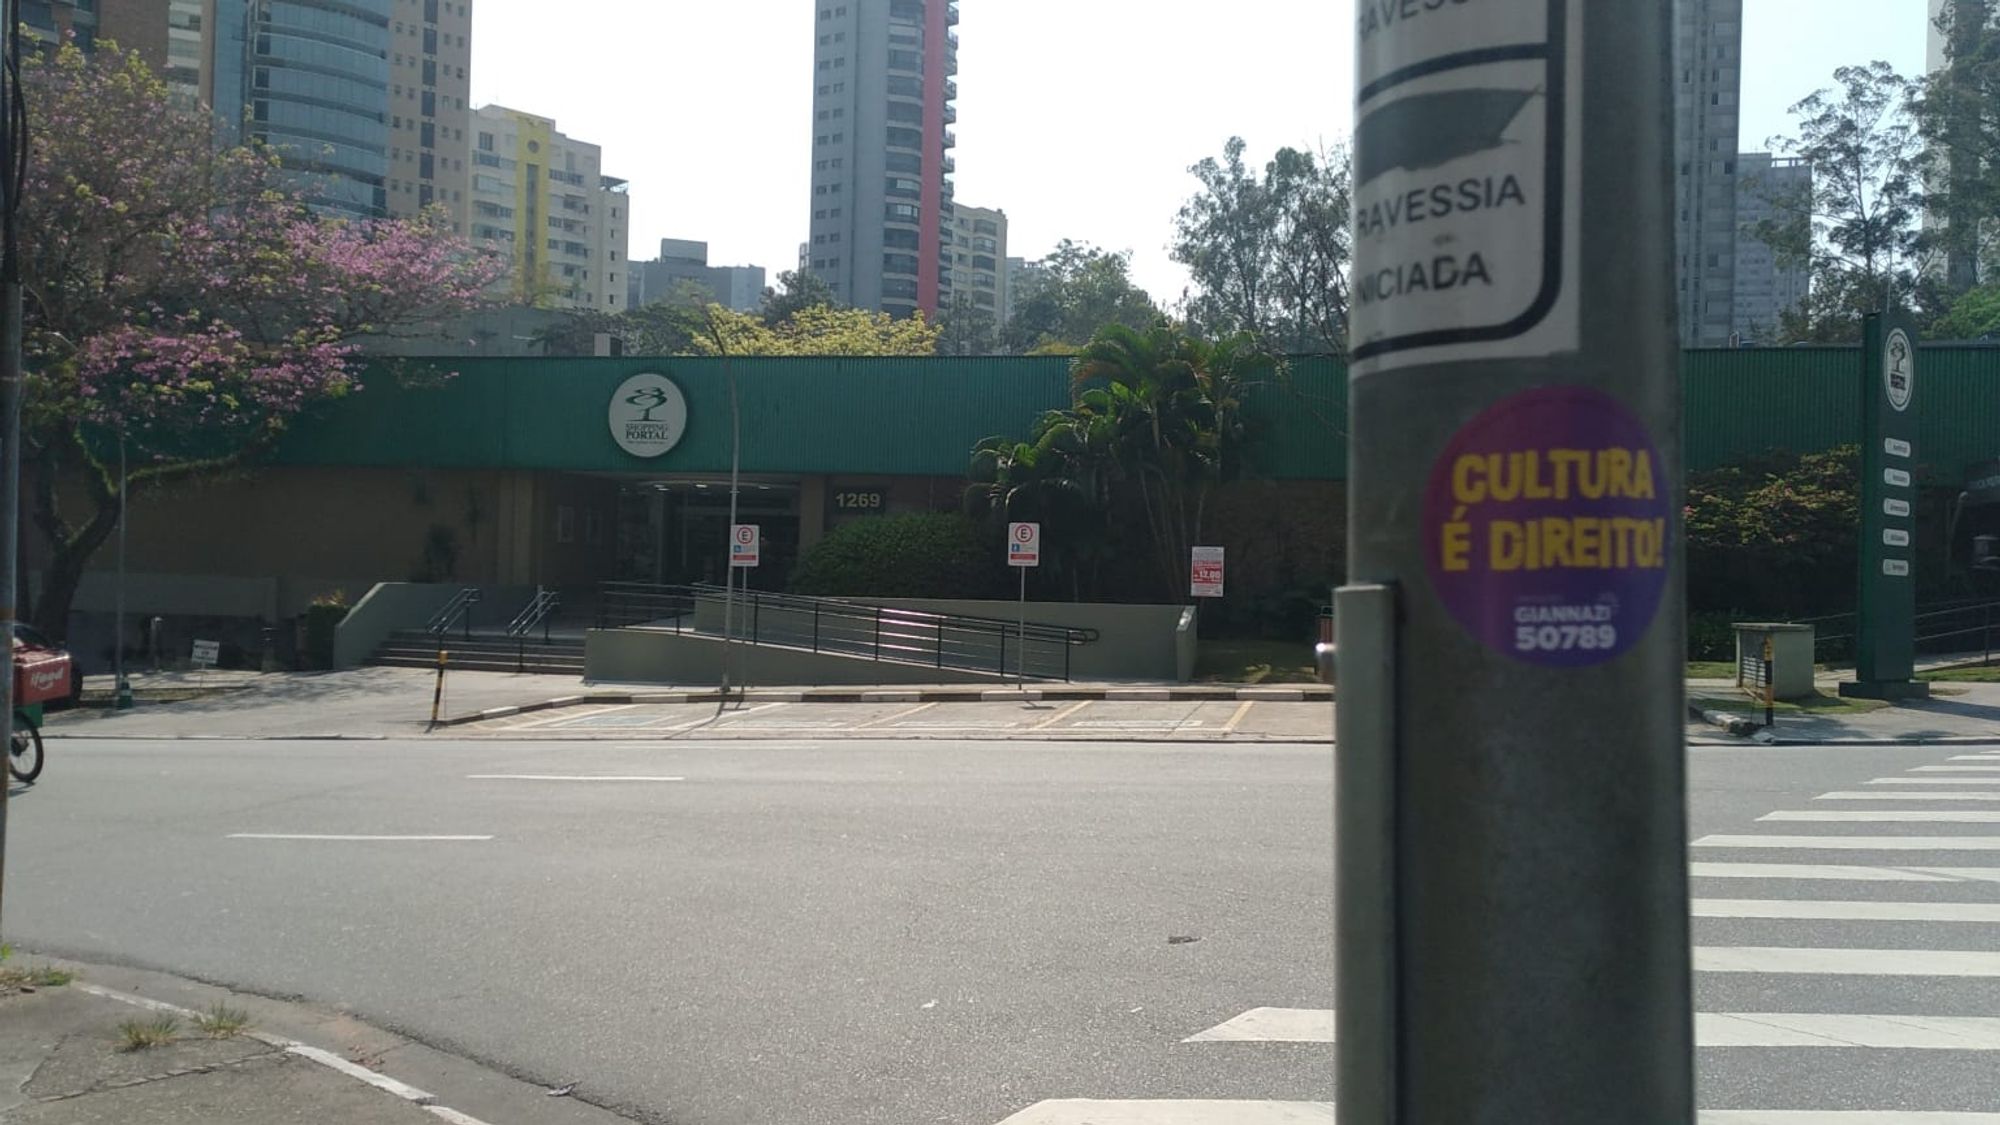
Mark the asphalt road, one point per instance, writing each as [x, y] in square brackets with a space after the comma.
[965, 933]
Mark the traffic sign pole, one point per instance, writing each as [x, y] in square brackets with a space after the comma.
[1024, 550]
[1512, 850]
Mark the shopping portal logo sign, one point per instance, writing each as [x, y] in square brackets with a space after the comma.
[648, 415]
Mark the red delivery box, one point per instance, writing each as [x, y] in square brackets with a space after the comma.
[40, 676]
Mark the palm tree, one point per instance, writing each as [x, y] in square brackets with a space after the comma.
[1059, 478]
[1168, 408]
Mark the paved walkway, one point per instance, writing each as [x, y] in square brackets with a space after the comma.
[1955, 713]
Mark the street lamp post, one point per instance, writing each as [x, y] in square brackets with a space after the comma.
[123, 699]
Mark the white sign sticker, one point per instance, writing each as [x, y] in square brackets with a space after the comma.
[1024, 544]
[1205, 573]
[648, 415]
[207, 654]
[1898, 478]
[1895, 507]
[1895, 537]
[1899, 370]
[1467, 181]
[1896, 447]
[1896, 568]
[746, 543]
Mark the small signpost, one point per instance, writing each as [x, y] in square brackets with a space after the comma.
[746, 542]
[207, 654]
[1024, 550]
[1205, 573]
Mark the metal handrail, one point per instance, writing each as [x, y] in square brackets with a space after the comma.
[459, 608]
[838, 625]
[536, 612]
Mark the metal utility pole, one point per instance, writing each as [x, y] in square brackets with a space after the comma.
[729, 537]
[1512, 864]
[13, 160]
[122, 697]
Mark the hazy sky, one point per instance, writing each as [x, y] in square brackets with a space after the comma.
[1078, 117]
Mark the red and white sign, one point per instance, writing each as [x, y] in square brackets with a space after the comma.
[1205, 574]
[1024, 544]
[40, 675]
[745, 544]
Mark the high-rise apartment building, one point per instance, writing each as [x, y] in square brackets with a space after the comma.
[883, 94]
[543, 198]
[47, 22]
[978, 250]
[430, 63]
[1767, 188]
[1708, 74]
[309, 78]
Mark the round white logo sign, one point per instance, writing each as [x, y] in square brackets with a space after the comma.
[1899, 369]
[648, 415]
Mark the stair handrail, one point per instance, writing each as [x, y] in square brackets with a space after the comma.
[536, 612]
[458, 609]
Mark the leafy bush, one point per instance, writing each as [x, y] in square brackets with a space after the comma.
[1777, 536]
[325, 613]
[1711, 636]
[920, 555]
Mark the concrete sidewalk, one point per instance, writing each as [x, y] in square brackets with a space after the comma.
[77, 1052]
[1957, 713]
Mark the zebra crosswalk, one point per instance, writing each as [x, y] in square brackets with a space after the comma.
[1884, 953]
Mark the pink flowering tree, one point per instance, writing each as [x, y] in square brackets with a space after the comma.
[181, 298]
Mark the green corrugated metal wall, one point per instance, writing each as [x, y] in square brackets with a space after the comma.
[921, 417]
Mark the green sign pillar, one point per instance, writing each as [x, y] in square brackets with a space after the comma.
[1885, 630]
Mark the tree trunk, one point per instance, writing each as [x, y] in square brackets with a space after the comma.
[69, 550]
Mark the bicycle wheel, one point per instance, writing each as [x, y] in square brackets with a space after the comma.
[25, 763]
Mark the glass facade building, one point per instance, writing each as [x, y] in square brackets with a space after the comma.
[310, 78]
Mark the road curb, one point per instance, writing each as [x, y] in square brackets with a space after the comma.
[1737, 725]
[1300, 693]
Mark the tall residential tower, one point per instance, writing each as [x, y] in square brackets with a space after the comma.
[430, 63]
[883, 93]
[1708, 79]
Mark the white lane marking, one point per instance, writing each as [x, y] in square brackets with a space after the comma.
[356, 1071]
[1974, 758]
[1995, 768]
[1820, 871]
[1825, 911]
[1242, 712]
[1272, 1025]
[1711, 1029]
[569, 715]
[1059, 716]
[1841, 1117]
[1929, 795]
[370, 839]
[1856, 843]
[1888, 1033]
[1086, 1111]
[452, 1115]
[1887, 816]
[743, 714]
[1988, 781]
[1846, 962]
[560, 777]
[895, 715]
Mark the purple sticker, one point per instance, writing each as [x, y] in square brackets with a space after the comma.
[1545, 527]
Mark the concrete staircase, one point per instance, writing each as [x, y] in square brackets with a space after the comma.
[490, 652]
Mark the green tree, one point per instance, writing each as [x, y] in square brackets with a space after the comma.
[1060, 478]
[1975, 315]
[820, 330]
[1775, 535]
[1066, 297]
[1957, 111]
[796, 292]
[1270, 256]
[1170, 409]
[967, 328]
[1856, 227]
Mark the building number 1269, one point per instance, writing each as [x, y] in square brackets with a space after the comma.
[857, 501]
